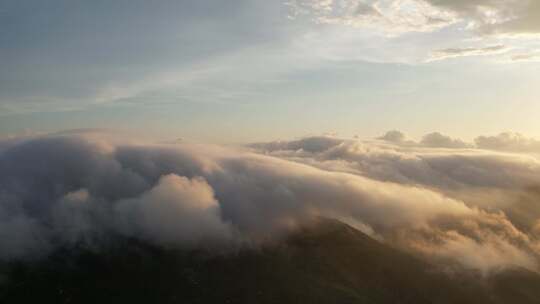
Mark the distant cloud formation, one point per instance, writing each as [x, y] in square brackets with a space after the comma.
[502, 187]
[393, 136]
[433, 140]
[436, 139]
[83, 190]
[508, 142]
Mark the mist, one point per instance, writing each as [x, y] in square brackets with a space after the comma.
[450, 205]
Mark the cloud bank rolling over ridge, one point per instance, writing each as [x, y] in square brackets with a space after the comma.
[464, 205]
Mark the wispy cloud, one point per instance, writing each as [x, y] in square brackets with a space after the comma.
[387, 17]
[492, 17]
[486, 17]
[483, 20]
[467, 52]
[526, 57]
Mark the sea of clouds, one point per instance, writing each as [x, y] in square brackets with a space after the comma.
[440, 198]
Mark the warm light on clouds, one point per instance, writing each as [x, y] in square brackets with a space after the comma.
[196, 135]
[91, 187]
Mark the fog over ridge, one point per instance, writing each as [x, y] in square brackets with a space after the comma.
[79, 189]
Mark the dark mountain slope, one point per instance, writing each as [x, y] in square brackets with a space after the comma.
[326, 263]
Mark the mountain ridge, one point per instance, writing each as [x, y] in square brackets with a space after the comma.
[323, 262]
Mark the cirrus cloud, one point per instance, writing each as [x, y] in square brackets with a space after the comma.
[466, 52]
[489, 22]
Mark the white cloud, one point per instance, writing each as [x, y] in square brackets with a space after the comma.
[481, 178]
[176, 211]
[75, 189]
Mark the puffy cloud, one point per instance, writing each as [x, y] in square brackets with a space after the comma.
[501, 186]
[79, 190]
[176, 211]
[394, 136]
[436, 139]
[453, 168]
[508, 142]
[505, 142]
[432, 140]
[466, 52]
[418, 164]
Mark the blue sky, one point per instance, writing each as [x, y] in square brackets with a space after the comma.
[240, 71]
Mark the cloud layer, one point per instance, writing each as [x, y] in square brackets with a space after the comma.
[84, 190]
[499, 189]
[506, 141]
[483, 16]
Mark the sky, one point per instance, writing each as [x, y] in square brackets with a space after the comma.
[244, 71]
